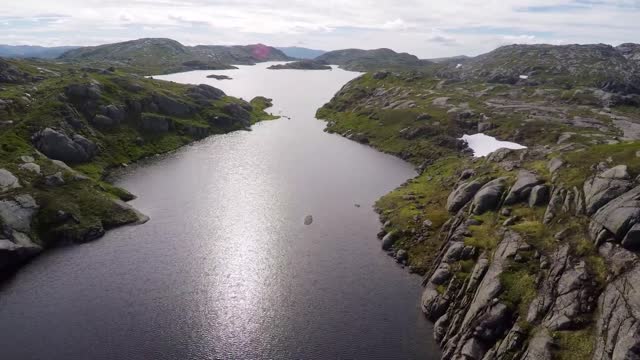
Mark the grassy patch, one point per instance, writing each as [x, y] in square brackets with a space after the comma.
[574, 345]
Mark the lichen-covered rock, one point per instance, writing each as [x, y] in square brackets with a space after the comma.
[462, 195]
[488, 197]
[8, 181]
[30, 167]
[18, 213]
[522, 188]
[602, 188]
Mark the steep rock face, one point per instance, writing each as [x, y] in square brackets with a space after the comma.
[608, 185]
[617, 218]
[618, 325]
[470, 319]
[565, 295]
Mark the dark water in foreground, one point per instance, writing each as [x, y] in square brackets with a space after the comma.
[226, 267]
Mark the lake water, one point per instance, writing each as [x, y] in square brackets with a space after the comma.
[226, 268]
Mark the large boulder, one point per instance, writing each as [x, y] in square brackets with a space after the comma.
[59, 146]
[539, 195]
[462, 195]
[8, 181]
[18, 213]
[488, 197]
[15, 248]
[617, 218]
[389, 239]
[109, 116]
[522, 188]
[602, 188]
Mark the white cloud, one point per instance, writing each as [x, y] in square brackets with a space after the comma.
[463, 26]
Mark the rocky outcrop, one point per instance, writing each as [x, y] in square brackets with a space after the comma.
[172, 107]
[615, 220]
[606, 186]
[109, 116]
[15, 225]
[539, 195]
[204, 94]
[476, 320]
[566, 293]
[617, 331]
[462, 195]
[84, 92]
[58, 146]
[239, 113]
[522, 188]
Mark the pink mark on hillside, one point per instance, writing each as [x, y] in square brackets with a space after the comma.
[261, 51]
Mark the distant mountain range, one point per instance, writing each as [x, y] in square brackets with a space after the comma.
[28, 51]
[366, 60]
[301, 53]
[156, 55]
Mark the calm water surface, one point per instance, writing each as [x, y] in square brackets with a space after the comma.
[226, 267]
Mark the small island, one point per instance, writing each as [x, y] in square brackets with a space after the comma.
[219, 77]
[302, 65]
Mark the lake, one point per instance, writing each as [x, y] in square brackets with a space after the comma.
[226, 267]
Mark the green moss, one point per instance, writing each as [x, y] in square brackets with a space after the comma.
[574, 345]
[518, 288]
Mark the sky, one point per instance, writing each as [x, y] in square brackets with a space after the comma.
[427, 28]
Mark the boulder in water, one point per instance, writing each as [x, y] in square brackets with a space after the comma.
[308, 220]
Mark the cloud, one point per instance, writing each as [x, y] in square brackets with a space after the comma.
[463, 26]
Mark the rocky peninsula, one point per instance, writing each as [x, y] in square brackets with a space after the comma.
[64, 127]
[526, 254]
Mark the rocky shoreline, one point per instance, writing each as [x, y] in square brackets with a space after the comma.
[526, 254]
[70, 127]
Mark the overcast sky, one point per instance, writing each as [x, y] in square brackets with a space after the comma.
[427, 28]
